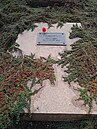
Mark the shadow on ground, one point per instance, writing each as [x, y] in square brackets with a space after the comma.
[80, 124]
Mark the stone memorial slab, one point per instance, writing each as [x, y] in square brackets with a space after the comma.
[58, 98]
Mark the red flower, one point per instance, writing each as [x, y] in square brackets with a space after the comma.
[43, 29]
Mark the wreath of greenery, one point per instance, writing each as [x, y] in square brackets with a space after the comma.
[15, 17]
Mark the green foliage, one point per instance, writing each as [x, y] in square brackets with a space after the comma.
[16, 17]
[14, 75]
[81, 60]
[81, 64]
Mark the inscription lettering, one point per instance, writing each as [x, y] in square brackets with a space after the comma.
[51, 39]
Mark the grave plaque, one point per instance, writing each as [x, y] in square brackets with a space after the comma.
[51, 39]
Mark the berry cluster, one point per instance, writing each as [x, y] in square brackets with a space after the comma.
[14, 75]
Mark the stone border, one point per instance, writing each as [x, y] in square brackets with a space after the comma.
[54, 117]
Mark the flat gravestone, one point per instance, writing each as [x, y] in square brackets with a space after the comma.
[58, 98]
